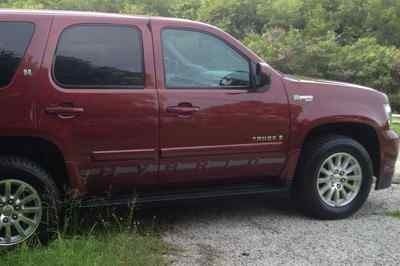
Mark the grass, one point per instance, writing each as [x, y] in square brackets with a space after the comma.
[395, 214]
[93, 238]
[114, 248]
[396, 127]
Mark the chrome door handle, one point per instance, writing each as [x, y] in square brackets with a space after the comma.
[183, 109]
[64, 112]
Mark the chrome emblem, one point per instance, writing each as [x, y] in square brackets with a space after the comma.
[305, 98]
[27, 72]
[271, 138]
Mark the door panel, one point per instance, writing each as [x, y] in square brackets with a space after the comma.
[20, 93]
[109, 132]
[221, 133]
[218, 140]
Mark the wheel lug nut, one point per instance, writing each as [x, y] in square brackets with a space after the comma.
[15, 217]
[10, 201]
[17, 208]
[5, 220]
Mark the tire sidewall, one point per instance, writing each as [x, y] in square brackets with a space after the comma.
[341, 144]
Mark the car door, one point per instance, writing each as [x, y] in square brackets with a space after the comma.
[213, 127]
[22, 42]
[98, 100]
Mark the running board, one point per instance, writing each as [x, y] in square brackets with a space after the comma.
[143, 197]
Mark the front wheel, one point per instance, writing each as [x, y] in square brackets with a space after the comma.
[334, 178]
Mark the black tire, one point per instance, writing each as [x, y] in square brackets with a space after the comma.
[29, 172]
[305, 189]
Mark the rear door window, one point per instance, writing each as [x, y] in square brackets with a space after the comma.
[14, 39]
[100, 56]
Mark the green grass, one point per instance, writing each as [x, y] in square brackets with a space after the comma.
[108, 249]
[94, 238]
[396, 127]
[395, 214]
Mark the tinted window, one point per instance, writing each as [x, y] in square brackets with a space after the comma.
[199, 60]
[99, 56]
[14, 39]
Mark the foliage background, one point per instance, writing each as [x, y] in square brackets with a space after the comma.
[350, 40]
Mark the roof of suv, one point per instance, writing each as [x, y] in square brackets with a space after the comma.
[83, 14]
[64, 12]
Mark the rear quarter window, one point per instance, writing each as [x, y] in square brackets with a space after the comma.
[14, 39]
[99, 56]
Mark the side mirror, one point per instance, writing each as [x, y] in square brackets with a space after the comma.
[261, 80]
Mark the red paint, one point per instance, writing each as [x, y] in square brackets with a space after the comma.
[193, 132]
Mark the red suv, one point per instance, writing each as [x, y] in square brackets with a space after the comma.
[112, 108]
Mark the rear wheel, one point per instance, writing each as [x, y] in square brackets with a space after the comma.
[28, 202]
[334, 177]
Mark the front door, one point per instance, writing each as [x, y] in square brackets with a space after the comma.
[212, 127]
[99, 101]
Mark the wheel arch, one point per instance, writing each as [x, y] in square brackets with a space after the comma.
[364, 133]
[44, 152]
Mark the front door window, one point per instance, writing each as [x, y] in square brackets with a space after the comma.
[199, 60]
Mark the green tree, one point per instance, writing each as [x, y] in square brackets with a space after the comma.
[383, 21]
[235, 16]
[188, 9]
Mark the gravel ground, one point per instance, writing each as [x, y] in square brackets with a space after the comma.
[269, 231]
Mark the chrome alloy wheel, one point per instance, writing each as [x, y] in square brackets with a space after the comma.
[20, 211]
[339, 179]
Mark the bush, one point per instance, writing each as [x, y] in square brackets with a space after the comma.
[395, 102]
[235, 16]
[369, 63]
[365, 61]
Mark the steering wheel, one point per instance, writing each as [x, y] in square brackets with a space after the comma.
[236, 78]
[226, 81]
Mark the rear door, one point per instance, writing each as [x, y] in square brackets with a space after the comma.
[22, 42]
[213, 127]
[99, 100]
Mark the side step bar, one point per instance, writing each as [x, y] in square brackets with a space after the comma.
[143, 197]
